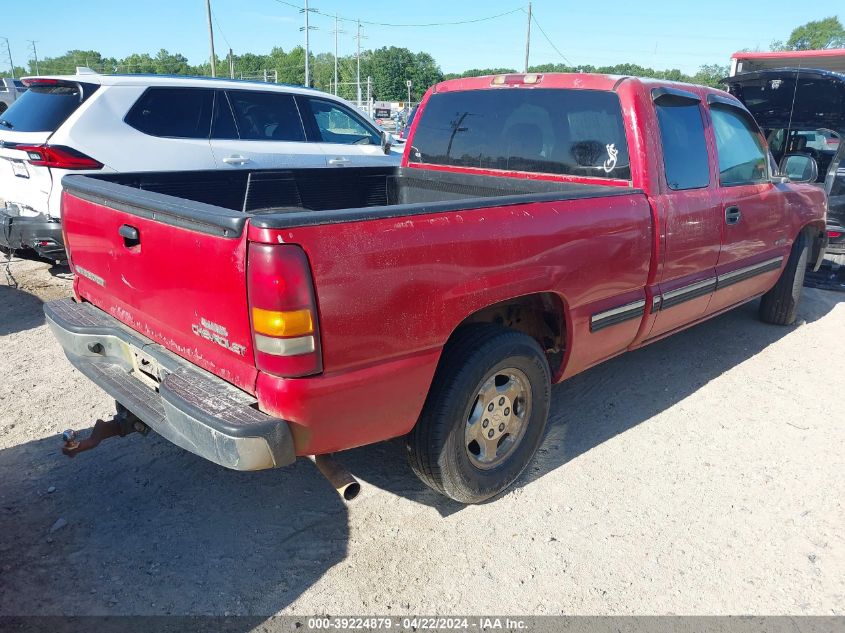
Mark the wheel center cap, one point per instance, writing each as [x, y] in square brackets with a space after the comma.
[499, 417]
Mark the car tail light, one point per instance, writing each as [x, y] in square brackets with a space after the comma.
[283, 311]
[516, 79]
[59, 157]
[834, 234]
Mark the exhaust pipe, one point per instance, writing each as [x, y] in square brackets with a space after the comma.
[340, 478]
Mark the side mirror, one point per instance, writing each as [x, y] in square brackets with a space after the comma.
[799, 168]
[386, 142]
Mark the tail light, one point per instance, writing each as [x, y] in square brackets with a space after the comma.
[31, 82]
[834, 234]
[283, 311]
[59, 157]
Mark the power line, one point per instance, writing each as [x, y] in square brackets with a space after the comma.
[220, 28]
[548, 39]
[371, 23]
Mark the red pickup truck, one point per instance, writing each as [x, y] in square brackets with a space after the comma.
[538, 225]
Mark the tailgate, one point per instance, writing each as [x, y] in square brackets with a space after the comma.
[171, 270]
[26, 185]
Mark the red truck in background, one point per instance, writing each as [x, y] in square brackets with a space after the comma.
[538, 225]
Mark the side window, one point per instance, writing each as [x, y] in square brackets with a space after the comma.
[266, 116]
[336, 124]
[742, 158]
[684, 147]
[223, 121]
[173, 112]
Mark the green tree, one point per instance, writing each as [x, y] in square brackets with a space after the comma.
[425, 73]
[711, 75]
[322, 71]
[250, 64]
[166, 63]
[815, 35]
[66, 64]
[390, 67]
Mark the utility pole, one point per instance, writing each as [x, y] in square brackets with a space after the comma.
[35, 54]
[9, 52]
[307, 28]
[408, 84]
[369, 97]
[231, 64]
[528, 38]
[336, 32]
[358, 72]
[211, 39]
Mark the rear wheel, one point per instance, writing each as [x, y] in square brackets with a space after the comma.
[780, 304]
[485, 414]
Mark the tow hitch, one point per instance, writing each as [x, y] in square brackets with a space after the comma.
[121, 425]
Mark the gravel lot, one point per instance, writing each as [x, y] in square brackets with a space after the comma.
[701, 475]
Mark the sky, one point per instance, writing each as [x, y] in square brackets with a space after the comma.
[658, 33]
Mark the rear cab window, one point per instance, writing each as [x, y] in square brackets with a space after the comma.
[45, 106]
[685, 159]
[173, 112]
[548, 130]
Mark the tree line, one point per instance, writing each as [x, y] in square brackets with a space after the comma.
[390, 66]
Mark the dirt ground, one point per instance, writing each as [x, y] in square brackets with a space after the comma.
[701, 475]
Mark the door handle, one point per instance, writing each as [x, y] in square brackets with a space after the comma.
[340, 162]
[130, 235]
[732, 215]
[235, 160]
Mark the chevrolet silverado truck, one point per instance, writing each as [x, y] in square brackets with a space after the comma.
[539, 224]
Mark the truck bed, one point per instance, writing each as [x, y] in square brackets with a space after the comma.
[221, 202]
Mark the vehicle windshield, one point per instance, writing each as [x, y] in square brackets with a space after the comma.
[43, 108]
[554, 131]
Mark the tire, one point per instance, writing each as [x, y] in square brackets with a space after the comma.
[3, 107]
[780, 304]
[471, 442]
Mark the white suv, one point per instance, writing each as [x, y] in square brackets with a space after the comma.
[91, 122]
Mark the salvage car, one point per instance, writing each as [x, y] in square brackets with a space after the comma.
[538, 225]
[802, 111]
[88, 122]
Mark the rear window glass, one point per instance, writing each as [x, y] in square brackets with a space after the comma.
[685, 156]
[266, 116]
[556, 131]
[173, 112]
[45, 108]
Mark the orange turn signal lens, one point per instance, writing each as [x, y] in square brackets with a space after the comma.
[276, 323]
